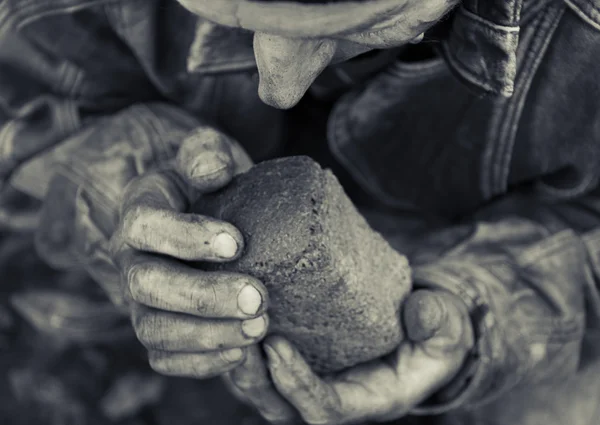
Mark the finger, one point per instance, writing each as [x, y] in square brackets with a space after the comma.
[195, 365]
[205, 159]
[151, 222]
[171, 286]
[316, 400]
[417, 376]
[175, 332]
[241, 159]
[208, 159]
[439, 322]
[424, 313]
[424, 367]
[253, 385]
[185, 236]
[163, 190]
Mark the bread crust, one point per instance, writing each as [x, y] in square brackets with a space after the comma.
[335, 285]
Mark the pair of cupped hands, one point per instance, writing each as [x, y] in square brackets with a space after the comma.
[203, 324]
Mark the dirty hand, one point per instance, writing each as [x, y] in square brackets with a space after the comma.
[439, 336]
[193, 323]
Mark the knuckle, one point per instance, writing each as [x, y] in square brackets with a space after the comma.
[208, 301]
[135, 278]
[115, 243]
[164, 368]
[132, 216]
[203, 139]
[148, 330]
[141, 330]
[139, 279]
[137, 315]
[212, 337]
[158, 363]
[157, 366]
[206, 366]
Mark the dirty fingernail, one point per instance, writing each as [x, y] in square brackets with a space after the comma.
[233, 355]
[224, 245]
[254, 327]
[249, 300]
[432, 313]
[424, 316]
[208, 164]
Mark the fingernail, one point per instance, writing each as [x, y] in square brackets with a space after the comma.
[417, 39]
[254, 328]
[233, 355]
[427, 316]
[207, 164]
[224, 245]
[434, 313]
[249, 300]
[272, 355]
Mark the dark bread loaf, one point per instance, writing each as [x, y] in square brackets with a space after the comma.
[335, 286]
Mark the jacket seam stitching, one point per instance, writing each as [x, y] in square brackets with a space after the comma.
[509, 118]
[23, 17]
[583, 15]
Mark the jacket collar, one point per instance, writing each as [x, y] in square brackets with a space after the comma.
[216, 49]
[480, 48]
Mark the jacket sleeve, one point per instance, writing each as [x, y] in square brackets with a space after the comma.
[528, 271]
[86, 178]
[93, 94]
[75, 128]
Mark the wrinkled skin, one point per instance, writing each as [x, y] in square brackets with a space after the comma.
[192, 322]
[291, 51]
[202, 324]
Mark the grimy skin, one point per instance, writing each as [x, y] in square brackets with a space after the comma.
[335, 286]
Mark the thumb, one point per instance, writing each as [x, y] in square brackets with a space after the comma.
[207, 159]
[438, 321]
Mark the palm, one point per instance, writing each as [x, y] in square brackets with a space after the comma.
[382, 389]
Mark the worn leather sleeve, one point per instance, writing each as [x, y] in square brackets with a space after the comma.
[88, 175]
[79, 119]
[528, 270]
[95, 93]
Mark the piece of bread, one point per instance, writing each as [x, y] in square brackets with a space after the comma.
[335, 285]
